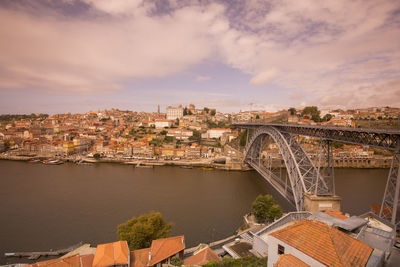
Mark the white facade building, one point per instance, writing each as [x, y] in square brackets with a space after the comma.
[217, 133]
[174, 113]
[162, 123]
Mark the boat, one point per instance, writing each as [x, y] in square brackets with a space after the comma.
[187, 167]
[53, 162]
[207, 169]
[144, 166]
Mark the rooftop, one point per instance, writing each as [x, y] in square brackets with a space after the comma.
[324, 243]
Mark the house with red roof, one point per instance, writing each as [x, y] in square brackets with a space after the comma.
[161, 252]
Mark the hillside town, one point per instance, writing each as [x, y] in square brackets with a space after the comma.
[182, 133]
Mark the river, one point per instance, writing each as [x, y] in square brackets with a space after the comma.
[44, 206]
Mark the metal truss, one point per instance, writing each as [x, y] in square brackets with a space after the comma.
[391, 199]
[325, 186]
[302, 173]
[382, 138]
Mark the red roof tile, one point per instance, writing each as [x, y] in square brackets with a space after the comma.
[166, 247]
[288, 260]
[140, 257]
[324, 243]
[204, 256]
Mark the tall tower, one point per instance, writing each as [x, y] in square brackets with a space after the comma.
[158, 110]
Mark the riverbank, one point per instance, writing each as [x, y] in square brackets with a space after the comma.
[203, 163]
[354, 163]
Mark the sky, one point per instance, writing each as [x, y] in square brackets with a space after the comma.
[59, 56]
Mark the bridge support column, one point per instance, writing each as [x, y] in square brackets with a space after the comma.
[391, 199]
[313, 203]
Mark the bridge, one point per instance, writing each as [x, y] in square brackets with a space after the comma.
[315, 179]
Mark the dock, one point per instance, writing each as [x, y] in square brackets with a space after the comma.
[37, 255]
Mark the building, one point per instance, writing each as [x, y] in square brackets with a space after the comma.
[112, 254]
[161, 252]
[162, 123]
[174, 113]
[202, 257]
[217, 133]
[317, 244]
[73, 261]
[180, 134]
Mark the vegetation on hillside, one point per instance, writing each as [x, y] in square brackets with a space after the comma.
[140, 232]
[264, 208]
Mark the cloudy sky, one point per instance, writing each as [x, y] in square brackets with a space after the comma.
[79, 55]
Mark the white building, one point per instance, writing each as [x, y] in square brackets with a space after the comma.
[217, 133]
[180, 134]
[174, 113]
[162, 123]
[317, 244]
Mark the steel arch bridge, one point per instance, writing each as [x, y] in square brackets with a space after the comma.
[304, 176]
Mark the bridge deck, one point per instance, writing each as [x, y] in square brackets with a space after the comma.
[382, 138]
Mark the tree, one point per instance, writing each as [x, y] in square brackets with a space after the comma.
[243, 138]
[261, 207]
[274, 212]
[163, 132]
[313, 111]
[176, 261]
[206, 110]
[212, 112]
[168, 139]
[196, 136]
[257, 117]
[327, 117]
[292, 111]
[96, 156]
[139, 232]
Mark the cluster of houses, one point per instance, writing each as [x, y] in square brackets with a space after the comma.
[114, 133]
[321, 238]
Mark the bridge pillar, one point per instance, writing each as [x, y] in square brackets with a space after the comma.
[313, 203]
[391, 199]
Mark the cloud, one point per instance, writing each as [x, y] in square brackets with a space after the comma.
[264, 77]
[330, 52]
[91, 55]
[202, 78]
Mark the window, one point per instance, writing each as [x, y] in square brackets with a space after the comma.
[281, 250]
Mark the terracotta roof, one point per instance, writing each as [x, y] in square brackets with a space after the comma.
[288, 260]
[337, 214]
[324, 243]
[72, 261]
[111, 254]
[166, 247]
[204, 256]
[140, 257]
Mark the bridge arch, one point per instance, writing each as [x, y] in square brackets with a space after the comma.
[303, 176]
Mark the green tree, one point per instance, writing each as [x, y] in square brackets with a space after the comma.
[212, 112]
[327, 117]
[139, 232]
[257, 117]
[313, 111]
[96, 156]
[292, 111]
[176, 261]
[274, 212]
[163, 132]
[243, 138]
[196, 136]
[241, 262]
[261, 207]
[206, 110]
[168, 139]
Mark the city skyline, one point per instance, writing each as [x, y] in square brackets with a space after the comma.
[81, 55]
